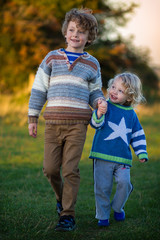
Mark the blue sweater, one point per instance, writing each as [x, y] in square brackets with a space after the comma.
[115, 132]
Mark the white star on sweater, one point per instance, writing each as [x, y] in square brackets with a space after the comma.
[119, 131]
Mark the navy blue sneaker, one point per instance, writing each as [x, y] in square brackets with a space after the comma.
[119, 216]
[59, 207]
[103, 223]
[66, 223]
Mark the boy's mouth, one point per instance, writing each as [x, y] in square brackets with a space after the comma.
[74, 40]
[113, 97]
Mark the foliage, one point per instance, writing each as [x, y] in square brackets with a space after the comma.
[25, 27]
[30, 29]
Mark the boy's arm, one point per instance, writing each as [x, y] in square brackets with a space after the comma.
[138, 141]
[39, 91]
[98, 116]
[95, 88]
[97, 122]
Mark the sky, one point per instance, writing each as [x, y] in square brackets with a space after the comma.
[145, 26]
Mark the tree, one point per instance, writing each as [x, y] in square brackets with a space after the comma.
[25, 37]
[30, 29]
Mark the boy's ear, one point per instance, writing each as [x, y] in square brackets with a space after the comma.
[65, 39]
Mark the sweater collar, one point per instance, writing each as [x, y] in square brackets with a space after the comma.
[71, 66]
[62, 51]
[121, 106]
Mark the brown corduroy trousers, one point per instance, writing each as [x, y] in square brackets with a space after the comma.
[62, 153]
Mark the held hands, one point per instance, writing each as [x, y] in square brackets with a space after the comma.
[102, 107]
[33, 129]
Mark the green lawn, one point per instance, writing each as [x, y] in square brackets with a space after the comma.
[27, 202]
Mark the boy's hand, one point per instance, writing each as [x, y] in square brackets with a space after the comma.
[102, 107]
[33, 129]
[142, 160]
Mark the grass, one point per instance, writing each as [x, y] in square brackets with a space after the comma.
[27, 202]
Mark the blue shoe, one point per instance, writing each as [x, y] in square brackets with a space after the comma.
[119, 216]
[66, 223]
[59, 207]
[103, 223]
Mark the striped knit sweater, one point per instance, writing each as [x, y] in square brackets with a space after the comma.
[69, 89]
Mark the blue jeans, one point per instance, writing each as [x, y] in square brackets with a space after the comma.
[104, 173]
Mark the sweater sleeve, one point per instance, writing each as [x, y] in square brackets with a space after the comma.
[95, 88]
[138, 140]
[39, 91]
[95, 122]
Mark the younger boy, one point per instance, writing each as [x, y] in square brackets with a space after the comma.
[116, 131]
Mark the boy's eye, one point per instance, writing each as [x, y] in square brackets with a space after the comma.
[81, 30]
[121, 91]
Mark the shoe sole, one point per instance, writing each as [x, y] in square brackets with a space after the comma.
[61, 229]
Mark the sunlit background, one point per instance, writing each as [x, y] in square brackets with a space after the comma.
[144, 27]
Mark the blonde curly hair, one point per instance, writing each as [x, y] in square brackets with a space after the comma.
[133, 86]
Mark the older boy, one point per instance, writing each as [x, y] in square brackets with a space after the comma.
[70, 80]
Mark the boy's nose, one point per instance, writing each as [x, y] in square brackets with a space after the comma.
[75, 33]
[115, 91]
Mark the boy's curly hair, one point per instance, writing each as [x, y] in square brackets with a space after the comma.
[85, 20]
[133, 86]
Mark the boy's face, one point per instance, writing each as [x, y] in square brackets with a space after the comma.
[117, 92]
[76, 38]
